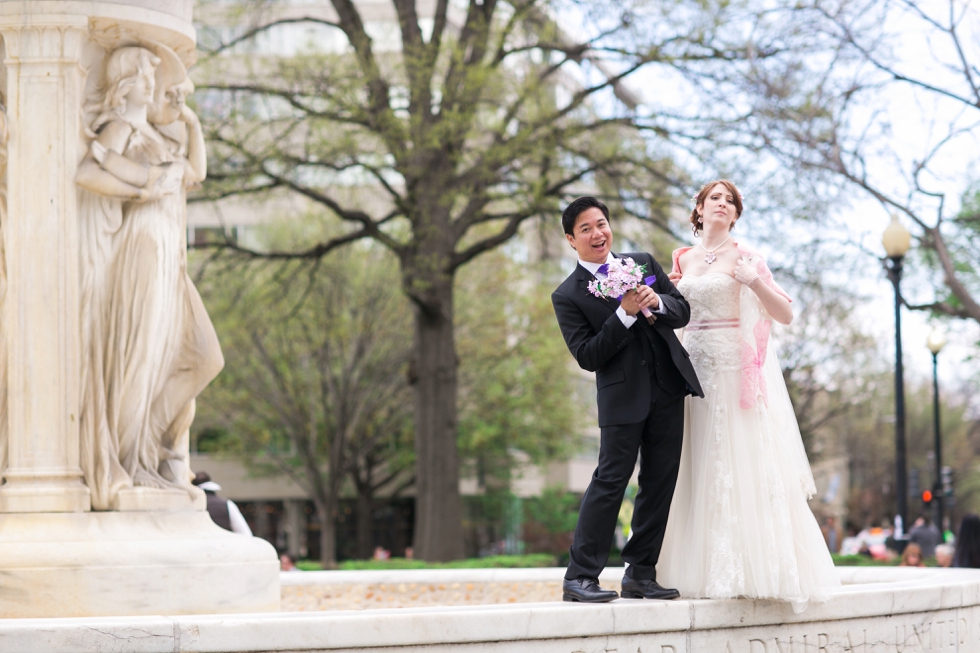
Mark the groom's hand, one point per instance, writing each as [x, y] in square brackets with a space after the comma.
[635, 300]
[648, 298]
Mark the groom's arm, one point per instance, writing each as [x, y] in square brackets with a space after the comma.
[591, 350]
[676, 311]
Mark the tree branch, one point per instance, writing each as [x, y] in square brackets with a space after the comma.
[252, 33]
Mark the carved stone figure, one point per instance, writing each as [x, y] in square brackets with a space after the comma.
[148, 345]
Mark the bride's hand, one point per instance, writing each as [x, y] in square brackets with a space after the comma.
[675, 277]
[745, 272]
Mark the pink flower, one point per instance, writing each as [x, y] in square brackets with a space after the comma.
[622, 276]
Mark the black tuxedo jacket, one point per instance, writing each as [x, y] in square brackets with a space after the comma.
[601, 343]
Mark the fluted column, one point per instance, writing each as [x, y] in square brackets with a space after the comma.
[41, 310]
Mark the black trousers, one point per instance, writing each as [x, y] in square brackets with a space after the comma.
[658, 440]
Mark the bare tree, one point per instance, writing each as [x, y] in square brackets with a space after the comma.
[884, 97]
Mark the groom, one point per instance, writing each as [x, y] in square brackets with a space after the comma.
[642, 377]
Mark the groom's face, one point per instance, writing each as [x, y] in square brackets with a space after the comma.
[591, 236]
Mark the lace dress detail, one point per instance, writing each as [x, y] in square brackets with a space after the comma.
[739, 521]
[712, 337]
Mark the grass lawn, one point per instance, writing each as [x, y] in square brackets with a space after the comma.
[535, 560]
[530, 560]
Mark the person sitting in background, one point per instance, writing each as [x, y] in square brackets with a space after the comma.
[851, 544]
[926, 535]
[286, 563]
[944, 555]
[968, 543]
[912, 556]
[223, 512]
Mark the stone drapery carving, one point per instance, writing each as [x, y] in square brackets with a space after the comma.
[148, 346]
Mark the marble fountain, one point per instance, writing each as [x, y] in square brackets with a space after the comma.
[877, 610]
[104, 544]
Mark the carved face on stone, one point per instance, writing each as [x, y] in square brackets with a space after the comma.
[141, 93]
[129, 77]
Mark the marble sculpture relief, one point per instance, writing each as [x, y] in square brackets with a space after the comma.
[148, 346]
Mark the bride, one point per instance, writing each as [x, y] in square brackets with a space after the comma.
[739, 524]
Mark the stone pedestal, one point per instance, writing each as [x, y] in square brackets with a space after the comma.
[131, 563]
[157, 551]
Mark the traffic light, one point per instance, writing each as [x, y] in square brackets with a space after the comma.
[913, 483]
[927, 496]
[946, 480]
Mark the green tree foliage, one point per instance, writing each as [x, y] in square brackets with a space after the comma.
[556, 510]
[867, 434]
[960, 434]
[516, 398]
[314, 385]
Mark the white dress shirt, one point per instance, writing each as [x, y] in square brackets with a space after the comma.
[625, 318]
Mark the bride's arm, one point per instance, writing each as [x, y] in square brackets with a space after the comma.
[196, 154]
[106, 172]
[777, 305]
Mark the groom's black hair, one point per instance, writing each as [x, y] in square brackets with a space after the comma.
[573, 210]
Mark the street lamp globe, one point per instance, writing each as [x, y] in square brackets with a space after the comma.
[896, 239]
[936, 340]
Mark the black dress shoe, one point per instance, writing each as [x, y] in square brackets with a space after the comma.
[646, 589]
[586, 590]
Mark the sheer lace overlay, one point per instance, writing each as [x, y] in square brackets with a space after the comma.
[739, 522]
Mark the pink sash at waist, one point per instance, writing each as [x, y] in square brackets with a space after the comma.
[712, 324]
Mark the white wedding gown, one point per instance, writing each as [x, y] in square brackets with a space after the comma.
[739, 524]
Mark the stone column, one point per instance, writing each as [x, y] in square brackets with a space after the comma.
[41, 312]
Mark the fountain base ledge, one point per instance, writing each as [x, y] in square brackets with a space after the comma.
[876, 610]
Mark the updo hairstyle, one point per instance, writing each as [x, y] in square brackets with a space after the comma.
[703, 195]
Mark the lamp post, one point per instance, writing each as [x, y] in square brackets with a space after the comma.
[935, 343]
[896, 240]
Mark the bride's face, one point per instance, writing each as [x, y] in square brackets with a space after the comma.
[719, 208]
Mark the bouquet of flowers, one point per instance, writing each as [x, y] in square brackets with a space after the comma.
[622, 275]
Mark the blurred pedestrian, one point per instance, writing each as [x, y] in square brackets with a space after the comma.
[968, 543]
[912, 556]
[832, 534]
[286, 563]
[926, 535]
[223, 511]
[944, 555]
